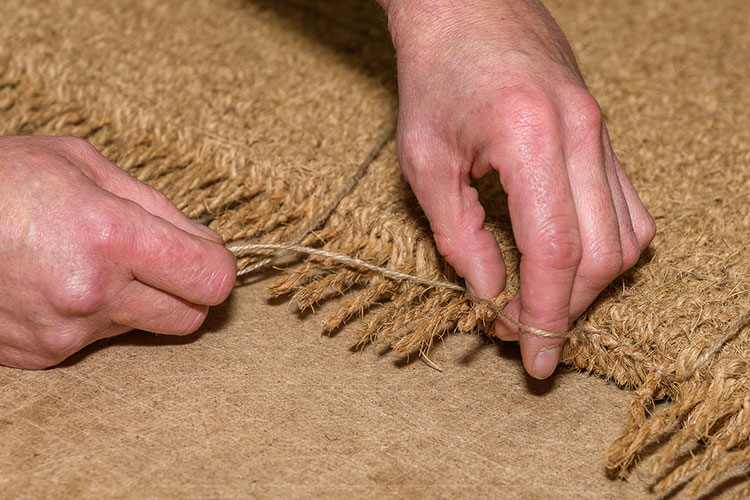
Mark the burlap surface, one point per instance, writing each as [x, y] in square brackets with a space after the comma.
[250, 115]
[259, 405]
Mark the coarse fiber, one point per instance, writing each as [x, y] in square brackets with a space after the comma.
[251, 130]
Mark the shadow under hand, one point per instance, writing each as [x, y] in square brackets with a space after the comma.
[217, 317]
[512, 352]
[356, 30]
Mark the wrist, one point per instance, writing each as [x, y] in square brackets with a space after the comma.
[410, 20]
[423, 26]
[413, 21]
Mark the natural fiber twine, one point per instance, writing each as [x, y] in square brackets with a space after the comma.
[255, 132]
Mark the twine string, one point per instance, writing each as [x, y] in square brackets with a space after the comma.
[240, 248]
[244, 248]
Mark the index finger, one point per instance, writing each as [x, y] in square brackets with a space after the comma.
[159, 254]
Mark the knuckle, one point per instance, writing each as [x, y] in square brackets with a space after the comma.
[458, 235]
[81, 289]
[587, 115]
[81, 293]
[631, 252]
[446, 246]
[76, 145]
[424, 156]
[412, 154]
[606, 260]
[645, 230]
[104, 229]
[531, 116]
[407, 147]
[409, 143]
[559, 246]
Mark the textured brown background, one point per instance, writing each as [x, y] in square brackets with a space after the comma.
[212, 101]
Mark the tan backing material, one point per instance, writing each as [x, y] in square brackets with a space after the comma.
[249, 128]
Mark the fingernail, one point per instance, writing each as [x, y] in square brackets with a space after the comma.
[471, 290]
[546, 362]
[209, 232]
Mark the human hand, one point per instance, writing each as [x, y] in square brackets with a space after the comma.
[494, 85]
[88, 252]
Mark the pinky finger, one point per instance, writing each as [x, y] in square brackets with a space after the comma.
[643, 223]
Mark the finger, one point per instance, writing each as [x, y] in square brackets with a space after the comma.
[603, 216]
[598, 273]
[642, 222]
[157, 253]
[144, 307]
[456, 218]
[545, 227]
[111, 178]
[504, 329]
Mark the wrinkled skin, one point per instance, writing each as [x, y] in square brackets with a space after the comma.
[492, 85]
[88, 252]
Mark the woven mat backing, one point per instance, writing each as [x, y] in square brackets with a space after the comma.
[251, 116]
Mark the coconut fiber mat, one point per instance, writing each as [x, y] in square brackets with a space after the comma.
[273, 123]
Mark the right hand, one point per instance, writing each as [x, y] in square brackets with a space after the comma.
[88, 252]
[493, 85]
